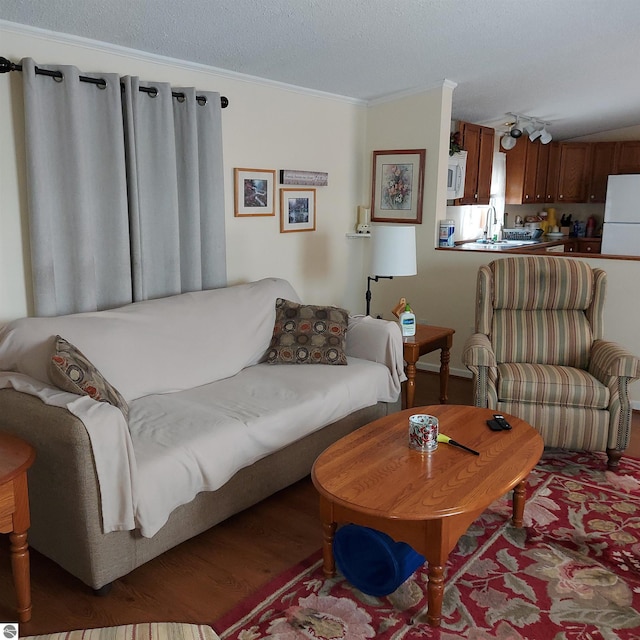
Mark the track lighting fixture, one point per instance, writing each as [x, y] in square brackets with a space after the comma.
[532, 127]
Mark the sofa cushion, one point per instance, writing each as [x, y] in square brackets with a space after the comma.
[308, 334]
[72, 371]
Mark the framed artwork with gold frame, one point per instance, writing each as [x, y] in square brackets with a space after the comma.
[255, 193]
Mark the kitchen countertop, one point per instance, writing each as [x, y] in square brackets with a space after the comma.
[513, 246]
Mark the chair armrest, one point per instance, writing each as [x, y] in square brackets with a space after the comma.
[610, 359]
[376, 340]
[478, 352]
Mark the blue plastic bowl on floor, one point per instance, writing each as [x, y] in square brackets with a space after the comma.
[372, 561]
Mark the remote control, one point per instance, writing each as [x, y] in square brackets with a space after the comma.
[501, 421]
[493, 425]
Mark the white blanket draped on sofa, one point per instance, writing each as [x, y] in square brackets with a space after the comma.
[166, 454]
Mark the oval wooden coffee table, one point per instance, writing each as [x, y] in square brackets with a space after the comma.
[372, 478]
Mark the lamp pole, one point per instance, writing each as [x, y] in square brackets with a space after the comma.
[368, 294]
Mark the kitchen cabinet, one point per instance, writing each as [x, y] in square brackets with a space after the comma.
[573, 171]
[602, 164]
[588, 245]
[553, 168]
[583, 245]
[478, 142]
[528, 173]
[542, 169]
[628, 157]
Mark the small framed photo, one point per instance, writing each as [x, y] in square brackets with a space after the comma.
[397, 186]
[255, 192]
[297, 210]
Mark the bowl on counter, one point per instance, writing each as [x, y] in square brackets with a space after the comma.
[555, 234]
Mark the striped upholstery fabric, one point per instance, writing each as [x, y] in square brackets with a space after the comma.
[542, 335]
[140, 631]
[530, 283]
[548, 384]
[538, 352]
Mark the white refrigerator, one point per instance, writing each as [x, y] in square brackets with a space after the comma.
[621, 229]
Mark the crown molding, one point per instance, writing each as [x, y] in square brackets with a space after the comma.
[445, 84]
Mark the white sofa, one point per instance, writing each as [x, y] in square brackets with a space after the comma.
[212, 428]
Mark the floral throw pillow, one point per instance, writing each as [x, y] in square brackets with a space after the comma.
[308, 334]
[72, 371]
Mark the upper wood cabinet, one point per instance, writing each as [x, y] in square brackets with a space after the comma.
[573, 171]
[478, 142]
[527, 168]
[566, 171]
[553, 169]
[603, 156]
[628, 157]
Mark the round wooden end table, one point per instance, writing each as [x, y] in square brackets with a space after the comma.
[16, 456]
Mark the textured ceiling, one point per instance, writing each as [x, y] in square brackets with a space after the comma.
[573, 63]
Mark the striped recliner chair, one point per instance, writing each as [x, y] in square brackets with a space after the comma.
[539, 354]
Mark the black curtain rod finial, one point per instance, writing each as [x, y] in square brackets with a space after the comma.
[6, 65]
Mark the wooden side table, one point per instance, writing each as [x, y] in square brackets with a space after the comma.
[426, 340]
[16, 456]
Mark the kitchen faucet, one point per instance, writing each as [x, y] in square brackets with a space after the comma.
[488, 225]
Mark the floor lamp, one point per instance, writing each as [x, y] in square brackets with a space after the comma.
[393, 253]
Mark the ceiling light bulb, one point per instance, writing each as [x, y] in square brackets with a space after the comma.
[508, 142]
[535, 134]
[545, 136]
[516, 131]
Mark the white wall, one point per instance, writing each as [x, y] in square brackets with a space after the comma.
[273, 126]
[265, 126]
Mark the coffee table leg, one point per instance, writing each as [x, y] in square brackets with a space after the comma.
[519, 498]
[435, 591]
[328, 533]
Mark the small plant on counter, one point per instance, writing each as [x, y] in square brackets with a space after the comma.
[455, 145]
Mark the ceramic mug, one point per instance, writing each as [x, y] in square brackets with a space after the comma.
[423, 432]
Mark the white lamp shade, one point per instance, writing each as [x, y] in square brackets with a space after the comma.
[393, 250]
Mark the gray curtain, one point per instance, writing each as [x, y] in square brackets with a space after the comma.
[77, 194]
[175, 179]
[126, 197]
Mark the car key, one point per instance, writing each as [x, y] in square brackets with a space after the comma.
[500, 419]
[493, 425]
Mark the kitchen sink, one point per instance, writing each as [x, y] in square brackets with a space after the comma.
[516, 242]
[499, 244]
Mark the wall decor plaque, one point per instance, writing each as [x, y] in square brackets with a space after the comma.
[311, 178]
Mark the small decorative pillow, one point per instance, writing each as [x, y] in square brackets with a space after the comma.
[308, 334]
[72, 371]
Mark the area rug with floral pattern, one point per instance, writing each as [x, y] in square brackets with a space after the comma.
[571, 573]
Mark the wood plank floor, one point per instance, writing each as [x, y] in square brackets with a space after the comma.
[204, 577]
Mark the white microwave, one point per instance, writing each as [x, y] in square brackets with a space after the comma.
[456, 174]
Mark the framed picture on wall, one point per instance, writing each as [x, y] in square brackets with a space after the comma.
[255, 192]
[397, 186]
[297, 210]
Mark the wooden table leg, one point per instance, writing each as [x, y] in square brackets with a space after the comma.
[445, 356]
[411, 383]
[328, 534]
[435, 591]
[20, 567]
[519, 498]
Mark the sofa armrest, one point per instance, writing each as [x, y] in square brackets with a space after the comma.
[610, 359]
[479, 358]
[377, 340]
[478, 352]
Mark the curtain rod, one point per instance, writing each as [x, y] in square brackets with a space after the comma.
[6, 66]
